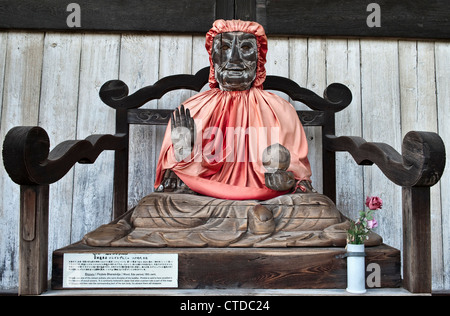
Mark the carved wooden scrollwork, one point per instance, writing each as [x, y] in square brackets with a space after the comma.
[27, 158]
[114, 93]
[421, 163]
[336, 96]
[149, 116]
[311, 118]
[162, 117]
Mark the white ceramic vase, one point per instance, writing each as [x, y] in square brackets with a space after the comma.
[356, 269]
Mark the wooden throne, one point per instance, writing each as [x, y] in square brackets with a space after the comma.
[30, 164]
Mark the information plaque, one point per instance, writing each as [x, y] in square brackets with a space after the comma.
[120, 270]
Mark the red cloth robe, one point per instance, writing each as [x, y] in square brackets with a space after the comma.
[233, 129]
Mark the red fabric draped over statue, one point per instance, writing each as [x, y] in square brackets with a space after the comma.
[232, 130]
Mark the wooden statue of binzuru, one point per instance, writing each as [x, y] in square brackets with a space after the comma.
[233, 168]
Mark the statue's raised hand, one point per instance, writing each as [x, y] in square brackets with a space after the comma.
[182, 133]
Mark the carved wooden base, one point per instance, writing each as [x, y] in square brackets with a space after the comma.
[263, 268]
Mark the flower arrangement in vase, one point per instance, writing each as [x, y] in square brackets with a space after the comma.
[360, 229]
[356, 235]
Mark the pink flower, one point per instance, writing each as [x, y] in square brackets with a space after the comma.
[374, 202]
[372, 223]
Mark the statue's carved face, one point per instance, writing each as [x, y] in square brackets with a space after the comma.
[235, 56]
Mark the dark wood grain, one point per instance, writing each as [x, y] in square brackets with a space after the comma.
[178, 16]
[121, 161]
[33, 246]
[329, 158]
[417, 239]
[162, 117]
[343, 18]
[263, 268]
[245, 10]
[421, 163]
[347, 18]
[28, 161]
[225, 9]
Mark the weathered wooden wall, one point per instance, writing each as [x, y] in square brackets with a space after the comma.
[53, 79]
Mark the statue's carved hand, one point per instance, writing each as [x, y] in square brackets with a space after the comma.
[182, 133]
[305, 186]
[280, 180]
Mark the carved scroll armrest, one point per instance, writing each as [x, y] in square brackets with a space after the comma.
[421, 163]
[28, 161]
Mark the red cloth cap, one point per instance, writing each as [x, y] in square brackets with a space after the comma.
[222, 26]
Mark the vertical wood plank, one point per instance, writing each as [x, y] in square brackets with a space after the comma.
[306, 60]
[307, 67]
[419, 112]
[302, 62]
[175, 58]
[139, 59]
[417, 86]
[200, 57]
[343, 66]
[298, 65]
[58, 107]
[416, 239]
[20, 106]
[92, 204]
[442, 55]
[121, 163]
[3, 43]
[7, 274]
[278, 60]
[380, 97]
[33, 264]
[316, 81]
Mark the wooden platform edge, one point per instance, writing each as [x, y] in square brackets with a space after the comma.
[255, 268]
